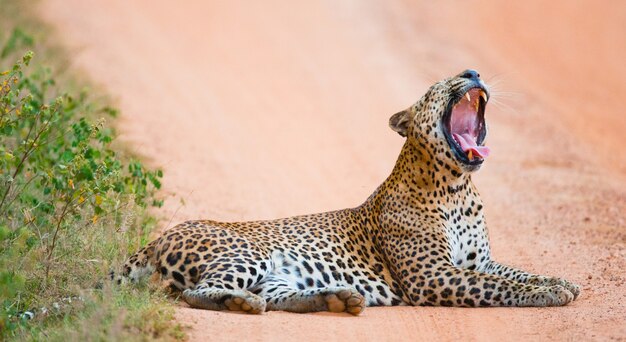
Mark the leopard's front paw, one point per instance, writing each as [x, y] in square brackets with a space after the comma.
[347, 300]
[553, 281]
[550, 296]
[571, 287]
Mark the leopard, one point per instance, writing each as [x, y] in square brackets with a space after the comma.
[419, 239]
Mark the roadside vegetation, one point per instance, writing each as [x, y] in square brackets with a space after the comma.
[72, 205]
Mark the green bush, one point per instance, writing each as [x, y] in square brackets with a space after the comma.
[69, 203]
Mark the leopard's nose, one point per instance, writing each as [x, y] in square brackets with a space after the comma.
[470, 74]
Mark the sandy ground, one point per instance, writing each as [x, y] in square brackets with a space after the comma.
[269, 109]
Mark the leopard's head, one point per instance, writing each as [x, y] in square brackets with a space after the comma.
[448, 122]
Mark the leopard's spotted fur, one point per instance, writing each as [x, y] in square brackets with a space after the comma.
[419, 239]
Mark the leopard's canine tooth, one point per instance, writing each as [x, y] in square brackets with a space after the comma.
[483, 95]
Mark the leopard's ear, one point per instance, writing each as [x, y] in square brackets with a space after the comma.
[399, 122]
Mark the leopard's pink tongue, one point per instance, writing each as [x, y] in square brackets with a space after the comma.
[468, 143]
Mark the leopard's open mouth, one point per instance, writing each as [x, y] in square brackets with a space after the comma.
[464, 125]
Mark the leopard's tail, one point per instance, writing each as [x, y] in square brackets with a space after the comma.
[138, 266]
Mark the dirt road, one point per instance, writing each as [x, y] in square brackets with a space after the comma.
[270, 109]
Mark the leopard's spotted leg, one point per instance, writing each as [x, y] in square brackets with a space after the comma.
[495, 268]
[443, 284]
[215, 297]
[280, 296]
[447, 285]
